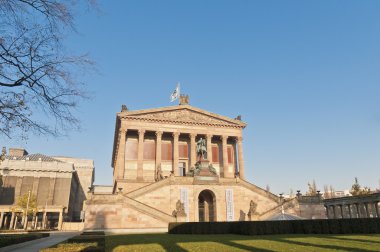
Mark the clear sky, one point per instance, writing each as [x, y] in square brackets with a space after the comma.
[304, 75]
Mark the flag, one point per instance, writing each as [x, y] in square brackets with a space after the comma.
[175, 95]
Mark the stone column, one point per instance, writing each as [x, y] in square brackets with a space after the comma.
[60, 220]
[158, 152]
[225, 158]
[241, 158]
[349, 210]
[366, 210]
[333, 207]
[35, 220]
[12, 221]
[357, 210]
[44, 220]
[175, 153]
[121, 154]
[209, 148]
[327, 212]
[193, 154]
[341, 211]
[1, 219]
[376, 204]
[140, 156]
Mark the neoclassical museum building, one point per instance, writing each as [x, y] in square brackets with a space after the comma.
[159, 177]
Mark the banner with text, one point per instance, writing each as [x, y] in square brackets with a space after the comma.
[230, 204]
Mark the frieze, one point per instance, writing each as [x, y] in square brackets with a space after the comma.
[183, 116]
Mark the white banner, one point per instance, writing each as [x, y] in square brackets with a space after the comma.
[230, 205]
[185, 201]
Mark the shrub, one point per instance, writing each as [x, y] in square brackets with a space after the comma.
[322, 226]
[6, 240]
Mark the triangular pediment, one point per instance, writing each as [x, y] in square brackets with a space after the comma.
[182, 114]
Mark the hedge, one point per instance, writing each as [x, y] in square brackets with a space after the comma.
[320, 226]
[10, 239]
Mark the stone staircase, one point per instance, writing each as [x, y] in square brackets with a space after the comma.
[145, 209]
[148, 188]
[285, 205]
[258, 190]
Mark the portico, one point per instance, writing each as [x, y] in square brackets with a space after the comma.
[163, 141]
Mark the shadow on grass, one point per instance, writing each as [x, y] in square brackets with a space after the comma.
[170, 242]
[352, 239]
[320, 246]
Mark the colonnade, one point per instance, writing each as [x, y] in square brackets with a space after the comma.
[175, 138]
[353, 210]
[9, 219]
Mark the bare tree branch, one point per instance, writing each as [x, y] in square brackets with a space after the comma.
[38, 81]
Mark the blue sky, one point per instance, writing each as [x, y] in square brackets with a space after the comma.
[304, 75]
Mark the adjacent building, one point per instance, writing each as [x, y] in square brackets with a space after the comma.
[59, 185]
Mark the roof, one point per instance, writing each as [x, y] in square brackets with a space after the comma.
[161, 110]
[33, 157]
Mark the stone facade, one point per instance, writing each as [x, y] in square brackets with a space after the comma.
[58, 184]
[154, 159]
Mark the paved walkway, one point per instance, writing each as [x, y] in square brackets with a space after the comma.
[36, 245]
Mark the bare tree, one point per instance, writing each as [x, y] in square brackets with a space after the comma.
[312, 191]
[39, 86]
[356, 189]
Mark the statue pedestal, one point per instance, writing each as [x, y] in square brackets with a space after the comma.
[204, 170]
[205, 173]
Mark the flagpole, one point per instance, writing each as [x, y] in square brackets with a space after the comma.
[179, 93]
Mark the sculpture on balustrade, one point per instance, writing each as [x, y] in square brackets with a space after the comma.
[180, 210]
[159, 175]
[252, 210]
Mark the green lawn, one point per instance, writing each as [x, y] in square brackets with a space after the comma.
[221, 243]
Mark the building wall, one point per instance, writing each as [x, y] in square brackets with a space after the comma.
[83, 179]
[157, 201]
[54, 183]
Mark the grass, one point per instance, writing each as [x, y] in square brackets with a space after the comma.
[221, 243]
[94, 241]
[10, 239]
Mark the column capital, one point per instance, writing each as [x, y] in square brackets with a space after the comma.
[224, 137]
[193, 135]
[158, 133]
[175, 134]
[141, 131]
[239, 139]
[122, 130]
[209, 136]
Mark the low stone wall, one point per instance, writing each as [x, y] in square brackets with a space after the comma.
[322, 226]
[72, 226]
